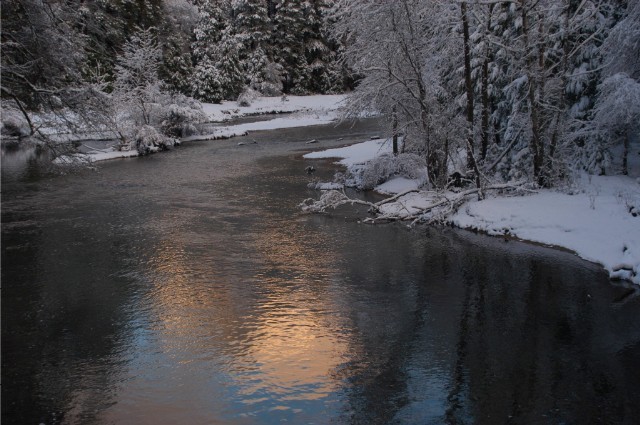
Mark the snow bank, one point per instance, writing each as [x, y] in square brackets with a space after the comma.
[272, 105]
[298, 120]
[371, 162]
[597, 223]
[355, 154]
[94, 157]
[596, 220]
[311, 110]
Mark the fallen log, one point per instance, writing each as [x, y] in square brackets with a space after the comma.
[333, 199]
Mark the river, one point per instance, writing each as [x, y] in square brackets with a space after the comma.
[187, 288]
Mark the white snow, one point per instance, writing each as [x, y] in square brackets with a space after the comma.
[270, 105]
[595, 221]
[94, 157]
[297, 120]
[355, 154]
[596, 224]
[397, 184]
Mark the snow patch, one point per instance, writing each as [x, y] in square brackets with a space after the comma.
[94, 157]
[355, 154]
[397, 184]
[228, 110]
[596, 223]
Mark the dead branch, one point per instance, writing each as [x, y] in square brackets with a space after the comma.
[333, 199]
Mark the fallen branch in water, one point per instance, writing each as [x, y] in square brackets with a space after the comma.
[333, 199]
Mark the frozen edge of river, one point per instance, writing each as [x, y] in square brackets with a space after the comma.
[593, 219]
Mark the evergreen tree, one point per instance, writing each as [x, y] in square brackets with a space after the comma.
[180, 19]
[206, 85]
[321, 50]
[289, 39]
[252, 29]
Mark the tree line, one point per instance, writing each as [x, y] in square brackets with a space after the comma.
[125, 64]
[522, 89]
[211, 49]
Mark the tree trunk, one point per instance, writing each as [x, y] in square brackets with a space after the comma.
[561, 110]
[468, 83]
[395, 131]
[536, 144]
[625, 153]
[485, 91]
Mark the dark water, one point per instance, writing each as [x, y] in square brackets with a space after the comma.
[186, 288]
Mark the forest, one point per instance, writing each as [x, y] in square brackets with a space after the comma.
[370, 201]
[522, 89]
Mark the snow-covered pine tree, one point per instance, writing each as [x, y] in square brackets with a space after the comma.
[289, 44]
[320, 50]
[252, 28]
[227, 63]
[615, 118]
[180, 19]
[206, 85]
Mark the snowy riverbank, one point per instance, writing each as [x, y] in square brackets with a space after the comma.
[598, 217]
[228, 110]
[302, 111]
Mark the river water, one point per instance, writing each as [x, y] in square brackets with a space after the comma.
[187, 288]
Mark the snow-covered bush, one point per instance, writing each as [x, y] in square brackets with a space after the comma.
[14, 124]
[140, 109]
[177, 118]
[247, 97]
[148, 139]
[380, 169]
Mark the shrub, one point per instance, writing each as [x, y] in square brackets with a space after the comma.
[380, 169]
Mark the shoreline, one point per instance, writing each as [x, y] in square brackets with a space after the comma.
[597, 218]
[302, 111]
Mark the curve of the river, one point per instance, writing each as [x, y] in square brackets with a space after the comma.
[187, 288]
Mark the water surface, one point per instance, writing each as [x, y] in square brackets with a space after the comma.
[186, 287]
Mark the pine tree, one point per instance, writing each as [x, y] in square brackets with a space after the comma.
[289, 43]
[227, 62]
[318, 50]
[217, 73]
[180, 19]
[252, 30]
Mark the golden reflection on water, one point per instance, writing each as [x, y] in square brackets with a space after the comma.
[268, 331]
[294, 346]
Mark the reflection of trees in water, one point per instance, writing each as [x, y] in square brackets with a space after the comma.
[535, 344]
[64, 315]
[386, 300]
[520, 336]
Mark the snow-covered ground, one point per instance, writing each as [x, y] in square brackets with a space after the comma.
[273, 105]
[355, 154]
[594, 219]
[302, 111]
[301, 119]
